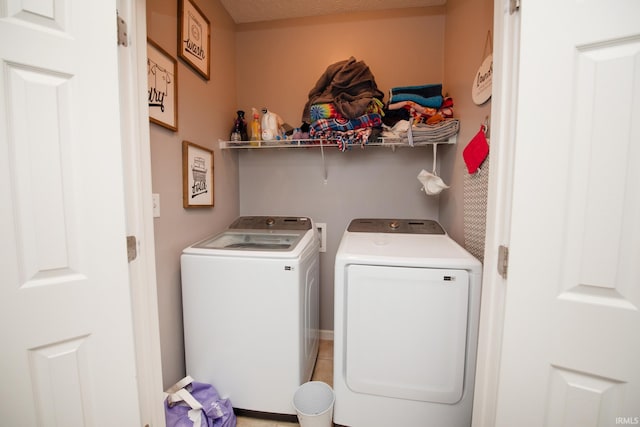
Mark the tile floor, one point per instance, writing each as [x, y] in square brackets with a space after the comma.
[322, 372]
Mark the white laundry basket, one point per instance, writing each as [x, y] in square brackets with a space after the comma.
[313, 401]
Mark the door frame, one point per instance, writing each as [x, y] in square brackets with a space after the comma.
[139, 210]
[139, 206]
[506, 30]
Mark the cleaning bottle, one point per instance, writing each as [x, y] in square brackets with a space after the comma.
[243, 126]
[271, 126]
[256, 131]
[268, 125]
[239, 131]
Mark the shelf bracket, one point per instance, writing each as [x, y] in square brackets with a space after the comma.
[324, 163]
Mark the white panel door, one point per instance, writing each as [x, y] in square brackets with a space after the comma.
[66, 329]
[571, 346]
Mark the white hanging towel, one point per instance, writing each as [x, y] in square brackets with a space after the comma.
[432, 184]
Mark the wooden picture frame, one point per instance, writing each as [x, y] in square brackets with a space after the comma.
[194, 37]
[162, 86]
[197, 176]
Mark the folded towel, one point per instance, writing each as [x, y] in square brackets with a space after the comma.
[426, 95]
[438, 132]
[432, 102]
[425, 91]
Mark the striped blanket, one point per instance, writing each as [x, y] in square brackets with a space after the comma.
[343, 125]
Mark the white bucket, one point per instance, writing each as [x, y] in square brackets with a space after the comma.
[314, 404]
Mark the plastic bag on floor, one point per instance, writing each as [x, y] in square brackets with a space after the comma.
[194, 404]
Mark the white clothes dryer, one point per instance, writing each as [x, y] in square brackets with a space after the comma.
[250, 299]
[407, 302]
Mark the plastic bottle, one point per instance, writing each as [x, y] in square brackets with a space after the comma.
[239, 131]
[269, 125]
[243, 126]
[256, 131]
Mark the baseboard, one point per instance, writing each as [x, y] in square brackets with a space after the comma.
[326, 334]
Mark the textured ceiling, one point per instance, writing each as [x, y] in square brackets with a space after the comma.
[245, 11]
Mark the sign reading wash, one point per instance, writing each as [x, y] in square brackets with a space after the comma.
[194, 35]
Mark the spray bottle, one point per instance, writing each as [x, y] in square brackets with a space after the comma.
[256, 131]
[239, 131]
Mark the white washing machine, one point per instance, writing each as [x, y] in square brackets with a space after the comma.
[407, 303]
[250, 300]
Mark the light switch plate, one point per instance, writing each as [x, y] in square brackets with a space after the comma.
[156, 205]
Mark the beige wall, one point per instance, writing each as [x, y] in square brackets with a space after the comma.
[275, 65]
[205, 112]
[279, 62]
[468, 22]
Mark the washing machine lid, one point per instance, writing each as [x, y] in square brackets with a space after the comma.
[253, 240]
[260, 236]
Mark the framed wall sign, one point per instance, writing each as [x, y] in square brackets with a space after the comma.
[197, 176]
[162, 86]
[194, 37]
[482, 82]
[481, 89]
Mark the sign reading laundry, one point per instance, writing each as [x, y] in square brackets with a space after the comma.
[161, 86]
[194, 36]
[482, 83]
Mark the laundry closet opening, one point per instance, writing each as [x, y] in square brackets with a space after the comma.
[274, 64]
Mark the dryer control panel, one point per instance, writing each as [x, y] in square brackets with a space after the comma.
[402, 226]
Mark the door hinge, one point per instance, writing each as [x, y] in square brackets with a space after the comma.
[503, 260]
[132, 248]
[122, 31]
[514, 6]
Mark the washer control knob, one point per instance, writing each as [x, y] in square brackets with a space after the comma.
[394, 225]
[270, 221]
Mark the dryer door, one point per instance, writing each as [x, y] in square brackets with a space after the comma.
[406, 331]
